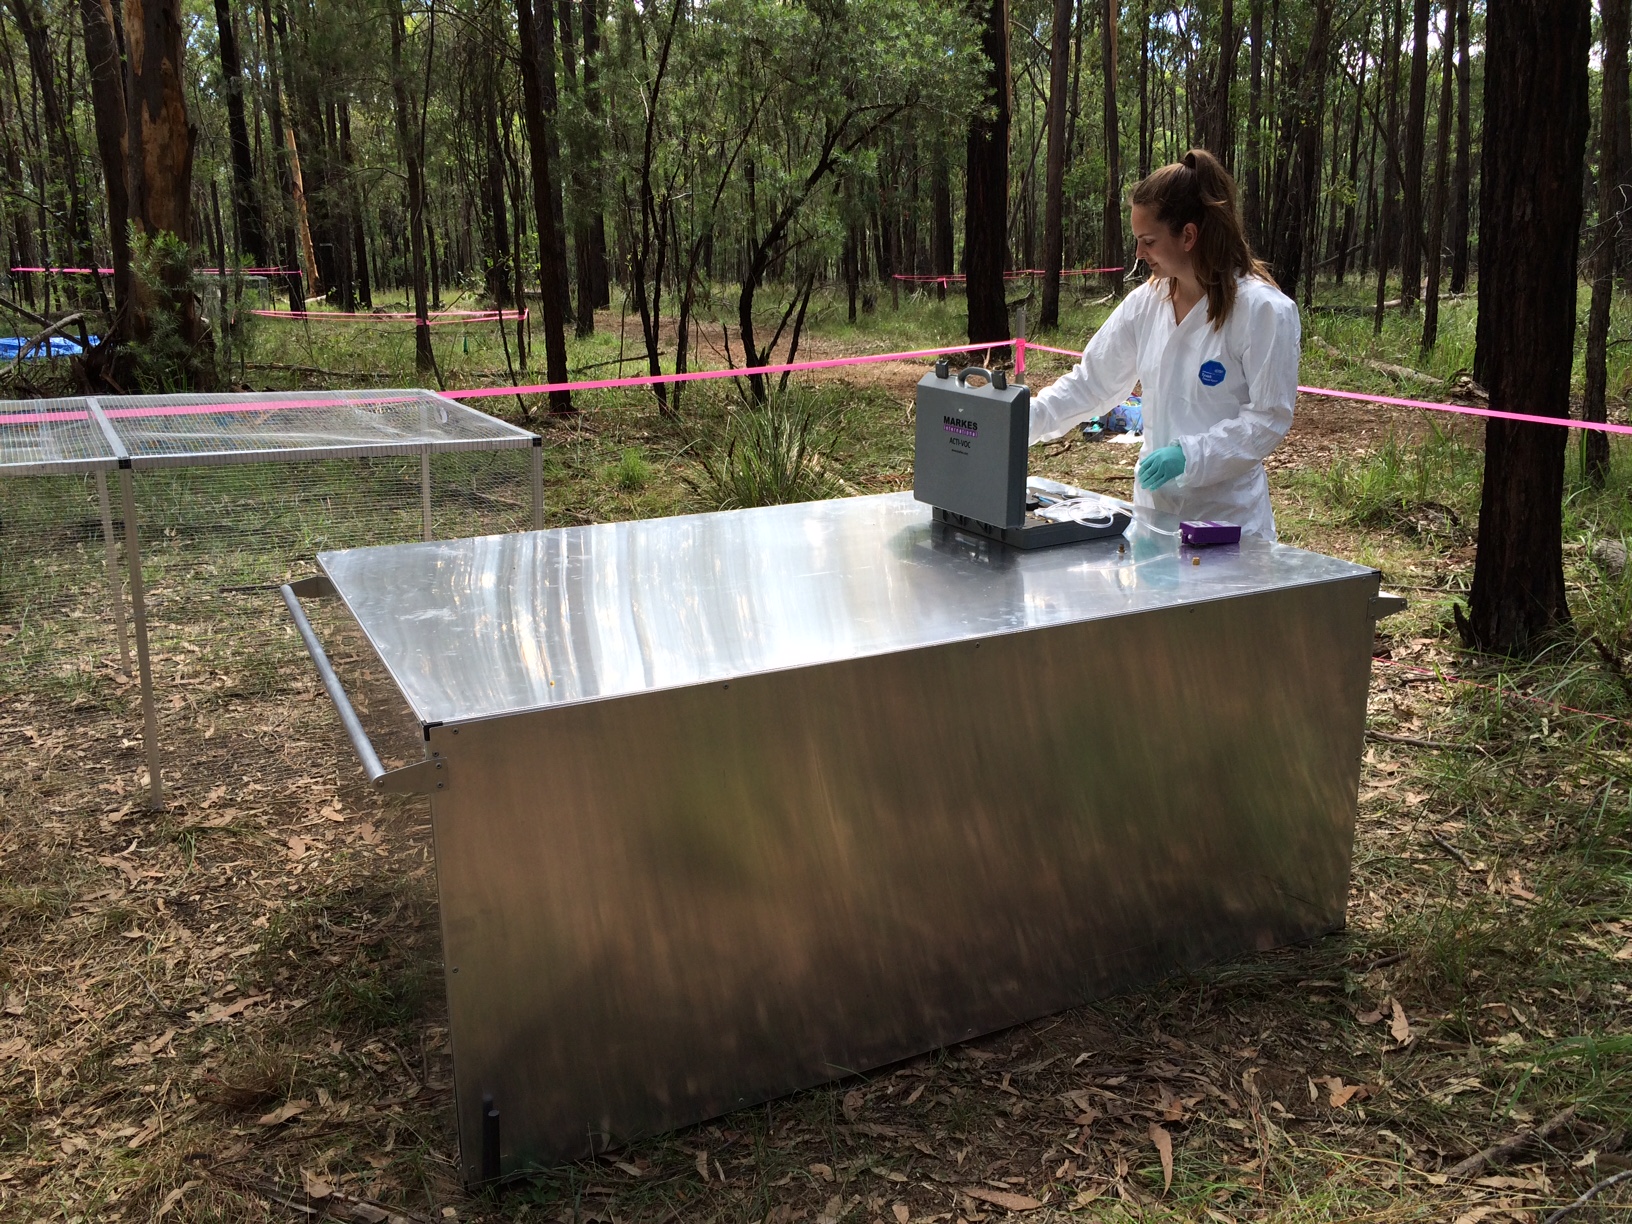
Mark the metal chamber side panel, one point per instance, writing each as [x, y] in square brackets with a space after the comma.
[663, 907]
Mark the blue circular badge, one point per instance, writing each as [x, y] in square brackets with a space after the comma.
[1212, 373]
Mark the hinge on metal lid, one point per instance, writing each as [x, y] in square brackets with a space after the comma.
[317, 586]
[422, 778]
[1386, 604]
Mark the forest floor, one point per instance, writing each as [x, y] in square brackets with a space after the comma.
[231, 1009]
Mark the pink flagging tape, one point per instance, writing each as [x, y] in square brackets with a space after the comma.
[209, 271]
[647, 380]
[1396, 402]
[37, 418]
[1466, 410]
[434, 318]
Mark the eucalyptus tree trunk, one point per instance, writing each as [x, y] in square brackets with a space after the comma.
[1111, 251]
[290, 257]
[246, 206]
[1535, 135]
[552, 272]
[1059, 68]
[986, 184]
[159, 164]
[1416, 122]
[1218, 136]
[358, 236]
[1461, 193]
[111, 122]
[1612, 202]
[31, 23]
[1351, 207]
[1255, 131]
[1442, 154]
[941, 240]
[1387, 236]
[408, 145]
[1301, 140]
[278, 45]
[599, 280]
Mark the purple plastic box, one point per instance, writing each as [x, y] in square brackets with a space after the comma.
[1210, 533]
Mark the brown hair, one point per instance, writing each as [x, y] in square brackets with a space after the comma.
[1199, 191]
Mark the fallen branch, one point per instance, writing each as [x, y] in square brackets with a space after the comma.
[334, 1203]
[52, 330]
[1415, 742]
[1591, 1194]
[1500, 1153]
[37, 320]
[304, 369]
[1451, 850]
[1397, 372]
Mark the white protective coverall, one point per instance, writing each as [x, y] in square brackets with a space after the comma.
[1225, 395]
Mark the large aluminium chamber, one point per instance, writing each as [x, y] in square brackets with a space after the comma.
[730, 804]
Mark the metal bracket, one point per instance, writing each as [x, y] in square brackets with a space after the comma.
[1386, 604]
[422, 778]
[317, 586]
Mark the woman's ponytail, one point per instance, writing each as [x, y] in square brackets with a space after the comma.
[1199, 191]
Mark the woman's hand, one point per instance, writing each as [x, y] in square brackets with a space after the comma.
[1161, 466]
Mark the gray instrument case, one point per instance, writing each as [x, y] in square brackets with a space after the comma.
[970, 460]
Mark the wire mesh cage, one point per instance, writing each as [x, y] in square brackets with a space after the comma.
[230, 499]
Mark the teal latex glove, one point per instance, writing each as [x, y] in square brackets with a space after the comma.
[1161, 466]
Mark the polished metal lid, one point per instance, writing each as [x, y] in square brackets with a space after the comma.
[499, 624]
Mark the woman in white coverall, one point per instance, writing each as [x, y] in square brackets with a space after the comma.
[1213, 345]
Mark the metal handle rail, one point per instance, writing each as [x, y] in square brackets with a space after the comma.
[422, 778]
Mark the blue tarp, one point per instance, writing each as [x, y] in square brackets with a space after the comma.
[56, 346]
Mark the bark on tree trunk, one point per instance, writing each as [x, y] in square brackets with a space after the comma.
[1345, 239]
[1461, 201]
[297, 178]
[408, 142]
[600, 284]
[1219, 138]
[31, 23]
[358, 238]
[1535, 127]
[1255, 132]
[159, 162]
[1301, 138]
[544, 33]
[1436, 219]
[246, 206]
[290, 257]
[1387, 238]
[1612, 200]
[986, 184]
[552, 273]
[108, 109]
[1416, 121]
[1059, 67]
[941, 253]
[498, 262]
[1112, 253]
